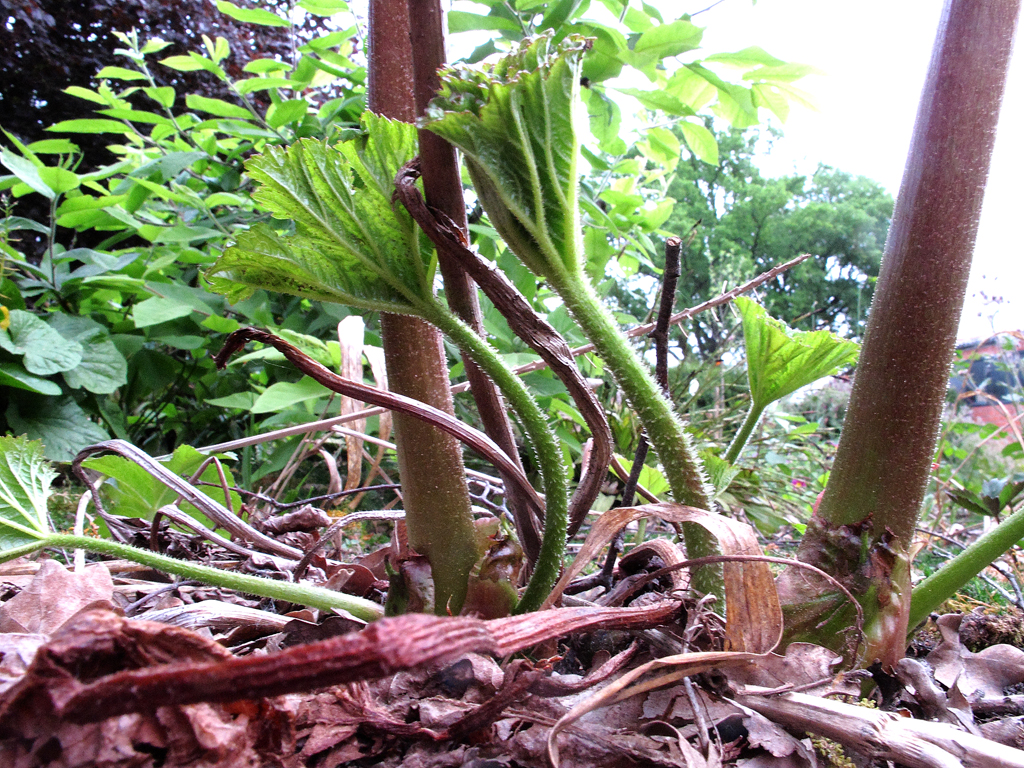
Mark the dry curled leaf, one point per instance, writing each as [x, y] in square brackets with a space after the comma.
[753, 612]
[978, 676]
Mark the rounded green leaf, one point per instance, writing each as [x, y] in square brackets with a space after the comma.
[43, 350]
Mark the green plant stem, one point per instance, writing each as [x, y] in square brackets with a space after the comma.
[549, 456]
[314, 597]
[739, 442]
[955, 573]
[664, 429]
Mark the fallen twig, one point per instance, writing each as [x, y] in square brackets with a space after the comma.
[883, 735]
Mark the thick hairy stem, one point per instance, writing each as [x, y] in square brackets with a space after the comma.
[664, 429]
[884, 457]
[314, 597]
[442, 186]
[436, 496]
[549, 458]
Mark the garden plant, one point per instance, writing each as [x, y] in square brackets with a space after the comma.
[269, 215]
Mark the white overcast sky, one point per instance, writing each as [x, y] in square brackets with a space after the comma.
[875, 54]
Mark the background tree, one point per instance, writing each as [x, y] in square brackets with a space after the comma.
[49, 45]
[749, 223]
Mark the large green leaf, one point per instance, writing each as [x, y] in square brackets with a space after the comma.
[103, 368]
[134, 492]
[517, 123]
[25, 477]
[663, 41]
[285, 394]
[350, 244]
[44, 350]
[780, 360]
[15, 375]
[60, 423]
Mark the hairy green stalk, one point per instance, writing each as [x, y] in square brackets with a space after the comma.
[314, 597]
[664, 429]
[516, 123]
[741, 438]
[955, 573]
[549, 456]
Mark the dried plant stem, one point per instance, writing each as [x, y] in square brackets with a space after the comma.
[640, 330]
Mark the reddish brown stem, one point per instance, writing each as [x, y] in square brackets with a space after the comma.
[383, 648]
[528, 325]
[863, 527]
[409, 407]
[437, 504]
[442, 185]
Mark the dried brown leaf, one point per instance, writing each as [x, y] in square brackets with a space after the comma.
[54, 596]
[763, 733]
[675, 669]
[802, 664]
[16, 652]
[979, 676]
[753, 612]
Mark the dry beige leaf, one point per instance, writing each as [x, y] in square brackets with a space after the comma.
[800, 665]
[785, 749]
[675, 668]
[978, 676]
[54, 596]
[16, 652]
[753, 612]
[350, 340]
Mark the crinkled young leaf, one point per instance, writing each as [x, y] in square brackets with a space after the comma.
[25, 477]
[517, 123]
[350, 245]
[780, 360]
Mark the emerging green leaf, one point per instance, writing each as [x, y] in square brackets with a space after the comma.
[350, 245]
[517, 123]
[25, 478]
[780, 360]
